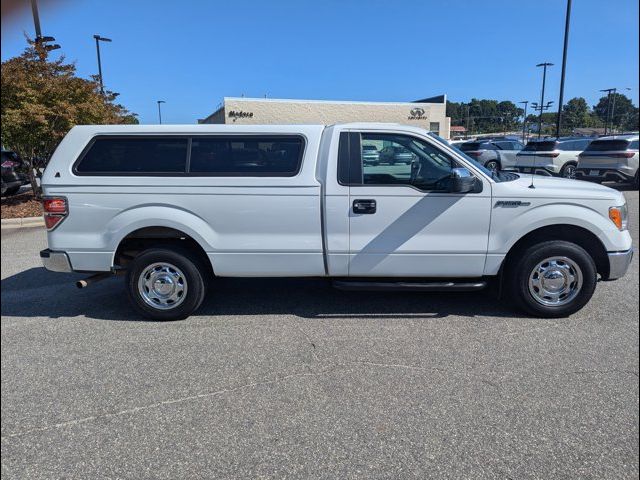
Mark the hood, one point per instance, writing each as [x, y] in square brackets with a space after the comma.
[555, 187]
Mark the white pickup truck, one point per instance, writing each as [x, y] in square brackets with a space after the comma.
[173, 206]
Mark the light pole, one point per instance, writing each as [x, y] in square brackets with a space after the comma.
[40, 40]
[524, 122]
[606, 122]
[564, 66]
[541, 109]
[159, 111]
[544, 80]
[98, 40]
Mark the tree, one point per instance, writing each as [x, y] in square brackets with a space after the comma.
[575, 114]
[625, 115]
[485, 116]
[42, 100]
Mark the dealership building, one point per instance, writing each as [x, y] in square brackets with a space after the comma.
[428, 113]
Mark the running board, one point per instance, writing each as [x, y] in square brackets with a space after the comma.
[409, 286]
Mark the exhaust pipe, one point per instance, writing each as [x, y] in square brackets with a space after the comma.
[93, 279]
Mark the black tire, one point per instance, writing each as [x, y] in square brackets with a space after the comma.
[569, 170]
[521, 266]
[493, 165]
[636, 181]
[190, 267]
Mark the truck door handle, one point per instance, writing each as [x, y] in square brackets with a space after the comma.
[364, 206]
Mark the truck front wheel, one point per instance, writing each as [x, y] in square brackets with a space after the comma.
[551, 279]
[165, 283]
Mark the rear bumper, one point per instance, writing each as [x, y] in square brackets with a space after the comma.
[619, 263]
[55, 261]
[603, 175]
[546, 171]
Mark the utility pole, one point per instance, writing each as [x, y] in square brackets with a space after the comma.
[524, 121]
[98, 40]
[564, 66]
[160, 111]
[544, 80]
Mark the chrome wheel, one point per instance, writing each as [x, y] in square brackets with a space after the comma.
[555, 281]
[569, 171]
[493, 166]
[162, 286]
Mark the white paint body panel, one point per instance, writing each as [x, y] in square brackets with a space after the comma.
[304, 225]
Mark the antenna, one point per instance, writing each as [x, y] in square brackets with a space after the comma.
[533, 171]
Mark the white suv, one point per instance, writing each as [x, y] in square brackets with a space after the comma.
[610, 158]
[554, 157]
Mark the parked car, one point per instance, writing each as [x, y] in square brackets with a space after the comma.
[396, 154]
[551, 157]
[495, 154]
[370, 154]
[610, 158]
[153, 203]
[12, 179]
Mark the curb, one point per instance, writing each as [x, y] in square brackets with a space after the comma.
[22, 222]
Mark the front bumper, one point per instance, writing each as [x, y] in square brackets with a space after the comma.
[619, 263]
[55, 261]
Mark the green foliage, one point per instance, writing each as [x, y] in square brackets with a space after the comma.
[485, 116]
[42, 100]
[491, 116]
[575, 114]
[625, 113]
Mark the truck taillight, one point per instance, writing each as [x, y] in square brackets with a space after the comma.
[55, 210]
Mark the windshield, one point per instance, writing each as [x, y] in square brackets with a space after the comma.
[496, 176]
[476, 164]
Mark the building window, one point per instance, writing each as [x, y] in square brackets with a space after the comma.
[435, 127]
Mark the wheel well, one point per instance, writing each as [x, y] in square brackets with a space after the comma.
[148, 237]
[570, 233]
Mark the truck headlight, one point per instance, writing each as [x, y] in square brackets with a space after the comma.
[620, 216]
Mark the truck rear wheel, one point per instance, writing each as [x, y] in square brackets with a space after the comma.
[551, 279]
[166, 283]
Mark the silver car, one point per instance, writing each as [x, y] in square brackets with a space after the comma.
[610, 159]
[494, 154]
[370, 155]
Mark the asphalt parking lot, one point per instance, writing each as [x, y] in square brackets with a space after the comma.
[292, 379]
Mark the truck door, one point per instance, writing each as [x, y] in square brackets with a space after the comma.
[403, 220]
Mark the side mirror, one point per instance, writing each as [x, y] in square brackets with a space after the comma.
[462, 181]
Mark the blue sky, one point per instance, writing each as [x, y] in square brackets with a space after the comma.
[191, 53]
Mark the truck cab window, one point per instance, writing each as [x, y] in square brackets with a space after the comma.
[389, 159]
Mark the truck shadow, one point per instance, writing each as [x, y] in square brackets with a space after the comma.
[38, 293]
